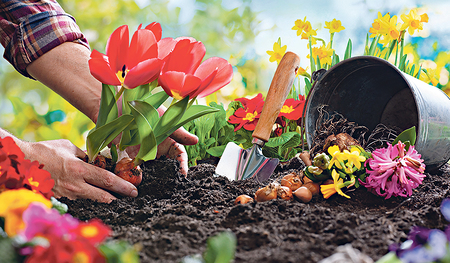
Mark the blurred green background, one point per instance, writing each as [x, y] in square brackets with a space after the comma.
[238, 30]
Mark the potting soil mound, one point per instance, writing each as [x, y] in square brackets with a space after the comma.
[173, 216]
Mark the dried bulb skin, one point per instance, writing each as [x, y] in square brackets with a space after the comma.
[292, 181]
[243, 199]
[267, 193]
[343, 140]
[126, 170]
[303, 194]
[285, 193]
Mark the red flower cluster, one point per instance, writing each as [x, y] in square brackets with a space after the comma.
[176, 63]
[81, 247]
[17, 172]
[248, 116]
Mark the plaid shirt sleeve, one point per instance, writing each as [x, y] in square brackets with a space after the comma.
[28, 29]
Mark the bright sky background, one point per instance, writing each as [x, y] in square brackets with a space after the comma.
[356, 16]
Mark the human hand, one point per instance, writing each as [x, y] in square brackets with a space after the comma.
[73, 177]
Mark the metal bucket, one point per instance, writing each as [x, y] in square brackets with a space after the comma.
[369, 90]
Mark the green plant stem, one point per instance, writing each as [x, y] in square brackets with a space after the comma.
[402, 38]
[331, 40]
[119, 93]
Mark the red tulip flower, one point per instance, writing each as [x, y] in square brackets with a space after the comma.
[292, 108]
[128, 64]
[248, 116]
[184, 75]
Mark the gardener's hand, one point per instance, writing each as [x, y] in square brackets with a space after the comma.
[73, 177]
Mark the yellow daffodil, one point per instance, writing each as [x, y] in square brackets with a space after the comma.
[413, 21]
[337, 157]
[14, 203]
[354, 157]
[378, 23]
[302, 72]
[390, 30]
[330, 189]
[335, 26]
[324, 53]
[299, 25]
[277, 53]
[429, 76]
[308, 30]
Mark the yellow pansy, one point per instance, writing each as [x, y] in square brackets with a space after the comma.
[277, 53]
[14, 203]
[334, 26]
[330, 189]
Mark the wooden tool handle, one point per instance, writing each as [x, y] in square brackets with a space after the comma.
[279, 89]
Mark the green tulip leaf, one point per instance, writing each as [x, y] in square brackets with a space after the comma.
[156, 99]
[133, 94]
[108, 107]
[193, 112]
[100, 137]
[130, 136]
[170, 118]
[146, 117]
[408, 135]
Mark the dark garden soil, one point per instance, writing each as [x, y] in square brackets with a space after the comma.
[173, 216]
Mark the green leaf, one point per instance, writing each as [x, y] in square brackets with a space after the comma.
[348, 50]
[373, 45]
[203, 126]
[293, 142]
[280, 140]
[402, 64]
[146, 116]
[156, 99]
[170, 117]
[130, 136]
[100, 137]
[318, 66]
[191, 113]
[308, 86]
[408, 135]
[113, 152]
[220, 248]
[391, 48]
[216, 151]
[134, 94]
[119, 252]
[108, 108]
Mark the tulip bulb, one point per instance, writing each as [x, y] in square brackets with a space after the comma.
[267, 193]
[292, 181]
[303, 194]
[243, 199]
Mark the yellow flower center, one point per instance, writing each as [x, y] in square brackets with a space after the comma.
[415, 23]
[287, 109]
[80, 257]
[89, 231]
[176, 95]
[121, 74]
[250, 116]
[33, 183]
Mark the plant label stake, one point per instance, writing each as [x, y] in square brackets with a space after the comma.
[237, 163]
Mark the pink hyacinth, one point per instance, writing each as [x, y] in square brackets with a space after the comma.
[42, 221]
[394, 171]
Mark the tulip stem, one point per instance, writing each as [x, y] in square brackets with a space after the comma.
[122, 88]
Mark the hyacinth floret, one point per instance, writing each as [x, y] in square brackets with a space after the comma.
[394, 171]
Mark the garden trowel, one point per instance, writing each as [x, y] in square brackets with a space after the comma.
[239, 164]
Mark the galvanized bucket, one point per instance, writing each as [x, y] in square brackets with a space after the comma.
[369, 90]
